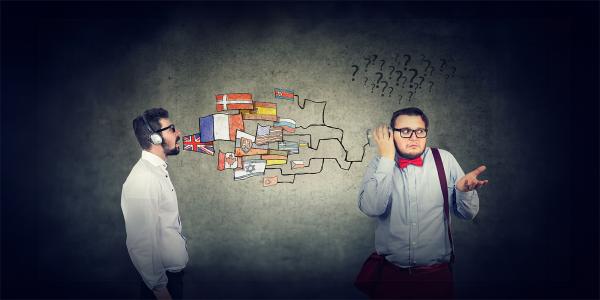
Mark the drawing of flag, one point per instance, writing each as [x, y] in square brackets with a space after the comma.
[228, 161]
[220, 127]
[288, 125]
[284, 94]
[297, 164]
[273, 156]
[262, 111]
[273, 160]
[277, 152]
[251, 168]
[194, 143]
[291, 147]
[245, 145]
[267, 134]
[269, 181]
[234, 101]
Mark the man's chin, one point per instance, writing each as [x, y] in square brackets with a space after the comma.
[172, 152]
[410, 155]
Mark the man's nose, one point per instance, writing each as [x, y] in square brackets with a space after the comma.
[413, 136]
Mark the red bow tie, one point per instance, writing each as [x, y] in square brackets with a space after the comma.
[403, 162]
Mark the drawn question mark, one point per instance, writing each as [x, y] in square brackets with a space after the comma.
[372, 87]
[453, 71]
[413, 77]
[411, 94]
[370, 60]
[400, 99]
[365, 83]
[443, 64]
[430, 85]
[381, 66]
[407, 60]
[422, 79]
[367, 66]
[398, 77]
[379, 79]
[391, 90]
[403, 82]
[383, 89]
[392, 72]
[428, 64]
[431, 72]
[354, 66]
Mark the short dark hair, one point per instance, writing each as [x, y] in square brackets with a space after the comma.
[153, 116]
[409, 111]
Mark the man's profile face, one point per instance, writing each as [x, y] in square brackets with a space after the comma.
[170, 138]
[409, 147]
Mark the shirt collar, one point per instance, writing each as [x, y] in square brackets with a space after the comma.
[154, 159]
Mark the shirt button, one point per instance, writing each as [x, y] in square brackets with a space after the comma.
[414, 224]
[414, 243]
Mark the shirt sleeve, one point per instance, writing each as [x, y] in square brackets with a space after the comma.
[376, 188]
[139, 201]
[466, 203]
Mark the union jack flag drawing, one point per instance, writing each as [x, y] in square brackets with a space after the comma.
[193, 143]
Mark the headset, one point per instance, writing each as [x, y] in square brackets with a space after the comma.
[155, 138]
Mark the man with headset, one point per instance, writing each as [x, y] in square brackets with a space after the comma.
[154, 240]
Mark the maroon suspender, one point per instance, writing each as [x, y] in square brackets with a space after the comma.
[442, 176]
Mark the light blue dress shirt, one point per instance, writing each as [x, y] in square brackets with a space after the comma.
[409, 207]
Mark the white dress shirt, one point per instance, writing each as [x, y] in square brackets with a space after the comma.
[154, 239]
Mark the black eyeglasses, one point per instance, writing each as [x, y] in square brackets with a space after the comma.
[407, 132]
[172, 126]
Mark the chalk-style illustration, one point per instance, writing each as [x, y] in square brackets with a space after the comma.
[262, 111]
[274, 159]
[234, 101]
[284, 94]
[253, 167]
[194, 143]
[269, 181]
[267, 134]
[287, 125]
[245, 145]
[276, 152]
[228, 161]
[354, 73]
[270, 144]
[405, 76]
[291, 147]
[297, 164]
[220, 127]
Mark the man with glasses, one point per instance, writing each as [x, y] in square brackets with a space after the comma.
[154, 240]
[401, 188]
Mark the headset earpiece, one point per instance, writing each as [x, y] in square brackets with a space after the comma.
[155, 138]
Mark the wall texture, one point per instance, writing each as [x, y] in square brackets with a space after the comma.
[495, 97]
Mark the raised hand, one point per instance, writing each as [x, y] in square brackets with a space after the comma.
[470, 182]
[385, 141]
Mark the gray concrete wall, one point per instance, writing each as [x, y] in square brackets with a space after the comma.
[491, 104]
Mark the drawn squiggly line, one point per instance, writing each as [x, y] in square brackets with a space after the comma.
[340, 140]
